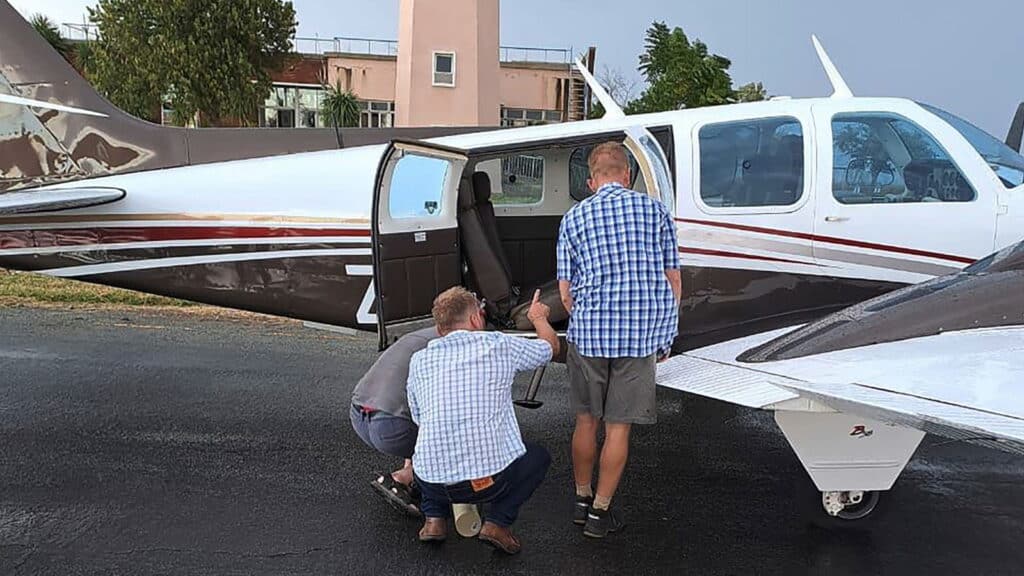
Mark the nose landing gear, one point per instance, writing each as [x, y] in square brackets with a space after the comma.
[850, 504]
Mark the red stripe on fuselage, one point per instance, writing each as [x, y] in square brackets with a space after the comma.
[830, 240]
[10, 239]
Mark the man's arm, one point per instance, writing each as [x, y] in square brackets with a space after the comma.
[414, 408]
[538, 315]
[675, 280]
[565, 292]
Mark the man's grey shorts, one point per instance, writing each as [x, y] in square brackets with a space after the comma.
[617, 390]
[385, 433]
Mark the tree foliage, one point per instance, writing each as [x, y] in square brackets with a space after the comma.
[340, 107]
[681, 73]
[49, 31]
[210, 58]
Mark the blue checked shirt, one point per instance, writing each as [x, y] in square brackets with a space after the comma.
[460, 395]
[614, 248]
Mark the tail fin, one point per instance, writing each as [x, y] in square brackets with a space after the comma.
[1016, 133]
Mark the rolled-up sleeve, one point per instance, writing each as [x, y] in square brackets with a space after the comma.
[669, 242]
[564, 252]
[528, 354]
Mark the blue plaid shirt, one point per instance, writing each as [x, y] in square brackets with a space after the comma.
[460, 395]
[614, 248]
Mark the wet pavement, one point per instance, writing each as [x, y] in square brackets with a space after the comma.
[137, 443]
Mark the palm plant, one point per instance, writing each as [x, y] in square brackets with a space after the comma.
[340, 107]
[49, 31]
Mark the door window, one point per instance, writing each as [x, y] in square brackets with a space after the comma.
[886, 158]
[752, 163]
[417, 187]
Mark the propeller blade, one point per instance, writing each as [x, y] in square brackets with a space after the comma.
[18, 100]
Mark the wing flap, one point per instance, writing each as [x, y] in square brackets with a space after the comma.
[33, 201]
[721, 381]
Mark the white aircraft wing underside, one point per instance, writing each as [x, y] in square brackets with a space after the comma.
[56, 199]
[961, 385]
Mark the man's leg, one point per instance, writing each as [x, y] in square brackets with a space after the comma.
[584, 452]
[587, 378]
[436, 507]
[613, 462]
[522, 478]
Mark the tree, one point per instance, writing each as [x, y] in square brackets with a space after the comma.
[618, 86]
[49, 31]
[340, 107]
[680, 73]
[752, 92]
[210, 58]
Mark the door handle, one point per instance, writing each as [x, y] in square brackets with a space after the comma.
[836, 218]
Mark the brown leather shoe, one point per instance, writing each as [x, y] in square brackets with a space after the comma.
[500, 538]
[434, 530]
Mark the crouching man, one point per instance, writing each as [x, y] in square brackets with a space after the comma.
[469, 448]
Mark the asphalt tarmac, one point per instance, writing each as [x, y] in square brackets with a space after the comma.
[139, 443]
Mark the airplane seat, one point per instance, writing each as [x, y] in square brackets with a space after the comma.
[482, 197]
[785, 172]
[486, 274]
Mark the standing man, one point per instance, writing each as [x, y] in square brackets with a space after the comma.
[618, 272]
[381, 418]
[470, 449]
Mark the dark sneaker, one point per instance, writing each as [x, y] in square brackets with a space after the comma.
[600, 523]
[579, 511]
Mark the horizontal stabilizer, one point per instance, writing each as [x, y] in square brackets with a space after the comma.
[54, 200]
[721, 381]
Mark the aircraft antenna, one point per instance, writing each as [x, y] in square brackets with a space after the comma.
[611, 107]
[839, 87]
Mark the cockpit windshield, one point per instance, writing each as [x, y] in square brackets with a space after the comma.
[1005, 161]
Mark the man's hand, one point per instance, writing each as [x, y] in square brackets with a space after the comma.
[538, 310]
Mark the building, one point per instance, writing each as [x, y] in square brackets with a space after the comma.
[447, 70]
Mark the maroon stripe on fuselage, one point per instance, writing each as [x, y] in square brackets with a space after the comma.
[830, 240]
[724, 254]
[10, 239]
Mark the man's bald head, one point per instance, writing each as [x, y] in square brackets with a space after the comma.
[609, 163]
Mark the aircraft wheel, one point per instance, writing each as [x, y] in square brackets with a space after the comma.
[850, 505]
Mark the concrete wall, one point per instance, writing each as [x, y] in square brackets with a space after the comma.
[372, 77]
[531, 86]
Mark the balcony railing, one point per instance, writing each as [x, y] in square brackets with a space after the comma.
[367, 46]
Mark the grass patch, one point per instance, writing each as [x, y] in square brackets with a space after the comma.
[22, 288]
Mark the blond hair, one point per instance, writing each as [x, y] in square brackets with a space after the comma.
[608, 159]
[453, 307]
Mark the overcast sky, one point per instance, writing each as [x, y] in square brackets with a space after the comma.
[963, 56]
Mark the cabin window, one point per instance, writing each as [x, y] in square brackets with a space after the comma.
[887, 159]
[417, 187]
[444, 69]
[752, 163]
[522, 180]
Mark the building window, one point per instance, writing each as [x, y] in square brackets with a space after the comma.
[444, 69]
[376, 114]
[517, 117]
[752, 163]
[292, 107]
[885, 158]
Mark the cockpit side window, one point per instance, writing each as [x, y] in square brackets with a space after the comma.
[885, 158]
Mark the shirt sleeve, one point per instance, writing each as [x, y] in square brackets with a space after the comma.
[564, 252]
[669, 243]
[410, 391]
[528, 354]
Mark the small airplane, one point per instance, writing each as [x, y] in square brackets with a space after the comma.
[855, 392]
[787, 209]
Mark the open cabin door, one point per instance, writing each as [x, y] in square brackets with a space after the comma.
[415, 230]
[654, 166]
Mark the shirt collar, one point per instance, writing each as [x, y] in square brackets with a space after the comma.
[610, 187]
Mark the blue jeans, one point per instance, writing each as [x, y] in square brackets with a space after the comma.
[512, 487]
[385, 433]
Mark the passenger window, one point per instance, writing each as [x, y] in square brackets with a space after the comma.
[579, 173]
[752, 163]
[522, 180]
[885, 158]
[417, 187]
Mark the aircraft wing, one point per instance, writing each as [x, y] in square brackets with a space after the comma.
[32, 201]
[961, 385]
